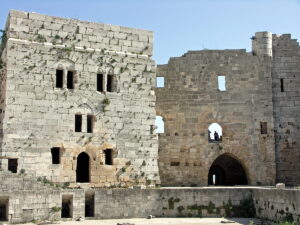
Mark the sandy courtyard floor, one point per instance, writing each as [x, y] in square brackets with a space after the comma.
[164, 221]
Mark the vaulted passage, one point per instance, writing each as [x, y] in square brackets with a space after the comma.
[226, 170]
[3, 208]
[83, 168]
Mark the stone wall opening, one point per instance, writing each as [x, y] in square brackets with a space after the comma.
[226, 170]
[108, 157]
[109, 84]
[70, 80]
[13, 165]
[90, 123]
[89, 204]
[59, 78]
[160, 125]
[4, 208]
[221, 83]
[78, 123]
[83, 168]
[100, 82]
[55, 153]
[281, 85]
[263, 128]
[67, 206]
[215, 133]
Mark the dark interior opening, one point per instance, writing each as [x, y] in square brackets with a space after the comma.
[100, 82]
[66, 206]
[108, 157]
[281, 85]
[13, 165]
[226, 170]
[89, 204]
[59, 78]
[70, 80]
[83, 168]
[4, 209]
[263, 128]
[109, 87]
[78, 122]
[90, 123]
[55, 152]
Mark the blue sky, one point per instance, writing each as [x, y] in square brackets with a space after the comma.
[179, 25]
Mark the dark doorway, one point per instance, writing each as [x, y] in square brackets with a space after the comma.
[226, 170]
[4, 209]
[55, 153]
[59, 78]
[89, 204]
[83, 168]
[13, 165]
[109, 86]
[67, 206]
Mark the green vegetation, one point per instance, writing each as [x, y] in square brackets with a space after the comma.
[55, 209]
[40, 38]
[172, 201]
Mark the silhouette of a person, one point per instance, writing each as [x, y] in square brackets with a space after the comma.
[216, 135]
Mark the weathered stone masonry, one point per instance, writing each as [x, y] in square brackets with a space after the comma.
[258, 112]
[39, 116]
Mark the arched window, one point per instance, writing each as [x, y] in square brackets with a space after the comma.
[215, 133]
[160, 124]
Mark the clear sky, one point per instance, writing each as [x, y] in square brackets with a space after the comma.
[178, 25]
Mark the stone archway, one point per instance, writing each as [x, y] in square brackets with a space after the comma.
[226, 170]
[83, 168]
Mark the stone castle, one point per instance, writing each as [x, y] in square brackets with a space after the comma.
[78, 106]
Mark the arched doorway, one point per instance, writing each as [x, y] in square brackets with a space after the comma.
[226, 170]
[83, 168]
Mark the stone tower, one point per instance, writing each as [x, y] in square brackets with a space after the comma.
[77, 101]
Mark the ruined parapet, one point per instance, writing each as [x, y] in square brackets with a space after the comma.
[262, 44]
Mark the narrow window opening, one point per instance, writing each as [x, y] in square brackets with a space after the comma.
[214, 133]
[109, 86]
[67, 206]
[221, 83]
[281, 85]
[263, 128]
[160, 82]
[55, 152]
[4, 208]
[159, 123]
[59, 78]
[89, 204]
[100, 82]
[90, 123]
[13, 165]
[70, 80]
[78, 122]
[108, 157]
[175, 164]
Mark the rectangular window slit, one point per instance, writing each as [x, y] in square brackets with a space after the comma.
[59, 78]
[55, 153]
[263, 128]
[281, 85]
[221, 83]
[160, 82]
[100, 82]
[109, 87]
[90, 123]
[108, 157]
[78, 122]
[13, 165]
[70, 80]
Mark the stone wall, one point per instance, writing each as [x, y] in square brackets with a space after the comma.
[42, 201]
[190, 101]
[39, 116]
[286, 100]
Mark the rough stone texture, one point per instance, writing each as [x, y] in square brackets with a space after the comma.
[191, 101]
[39, 201]
[286, 66]
[39, 116]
